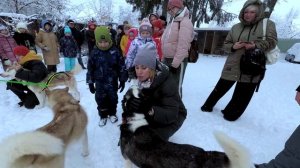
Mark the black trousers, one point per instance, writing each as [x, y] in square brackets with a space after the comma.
[26, 96]
[241, 97]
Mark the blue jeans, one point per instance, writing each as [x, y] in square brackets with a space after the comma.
[69, 63]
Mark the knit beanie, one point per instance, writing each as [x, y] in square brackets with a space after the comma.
[146, 56]
[145, 26]
[102, 33]
[21, 25]
[67, 30]
[175, 3]
[21, 50]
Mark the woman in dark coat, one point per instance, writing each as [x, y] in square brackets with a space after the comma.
[246, 35]
[161, 103]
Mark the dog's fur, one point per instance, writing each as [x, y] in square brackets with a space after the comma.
[45, 147]
[142, 147]
[60, 79]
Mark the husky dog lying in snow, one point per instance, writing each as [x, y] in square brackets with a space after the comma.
[142, 147]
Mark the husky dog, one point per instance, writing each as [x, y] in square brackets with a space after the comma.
[46, 146]
[142, 147]
[51, 81]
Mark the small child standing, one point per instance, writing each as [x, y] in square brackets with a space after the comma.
[157, 33]
[69, 48]
[105, 68]
[145, 36]
[132, 34]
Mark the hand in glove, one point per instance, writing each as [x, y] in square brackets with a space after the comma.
[121, 86]
[172, 69]
[131, 73]
[92, 88]
[138, 105]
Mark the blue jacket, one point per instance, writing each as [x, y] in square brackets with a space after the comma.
[106, 67]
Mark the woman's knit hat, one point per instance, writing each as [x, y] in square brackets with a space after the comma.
[21, 50]
[146, 55]
[175, 3]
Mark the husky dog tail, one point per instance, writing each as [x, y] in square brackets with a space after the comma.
[28, 143]
[238, 155]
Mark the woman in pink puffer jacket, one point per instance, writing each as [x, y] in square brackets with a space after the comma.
[176, 41]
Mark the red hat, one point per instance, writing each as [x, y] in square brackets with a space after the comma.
[21, 50]
[175, 3]
[157, 23]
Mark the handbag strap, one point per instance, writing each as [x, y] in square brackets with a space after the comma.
[265, 20]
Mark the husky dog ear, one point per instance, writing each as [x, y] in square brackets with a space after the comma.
[66, 89]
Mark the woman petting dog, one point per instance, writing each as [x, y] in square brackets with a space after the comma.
[160, 100]
[30, 69]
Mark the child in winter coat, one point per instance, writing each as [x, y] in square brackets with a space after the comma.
[90, 36]
[157, 33]
[23, 37]
[7, 44]
[105, 68]
[69, 48]
[145, 36]
[132, 34]
[124, 39]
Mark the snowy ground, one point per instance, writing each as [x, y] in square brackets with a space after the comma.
[270, 118]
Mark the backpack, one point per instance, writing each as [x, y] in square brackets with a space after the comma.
[253, 62]
[193, 53]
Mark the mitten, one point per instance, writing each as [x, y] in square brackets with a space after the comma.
[172, 69]
[138, 105]
[131, 73]
[92, 88]
[121, 86]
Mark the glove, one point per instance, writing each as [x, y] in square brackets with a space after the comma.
[131, 73]
[92, 88]
[121, 86]
[138, 105]
[172, 69]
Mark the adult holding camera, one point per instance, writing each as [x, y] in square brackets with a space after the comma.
[244, 36]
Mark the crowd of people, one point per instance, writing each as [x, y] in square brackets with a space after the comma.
[154, 56]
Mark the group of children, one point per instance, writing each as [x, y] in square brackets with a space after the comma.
[108, 67]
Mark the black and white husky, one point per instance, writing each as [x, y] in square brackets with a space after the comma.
[142, 147]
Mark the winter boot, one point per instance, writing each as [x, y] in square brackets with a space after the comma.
[102, 122]
[205, 108]
[113, 118]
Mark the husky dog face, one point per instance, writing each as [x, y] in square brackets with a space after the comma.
[131, 93]
[60, 96]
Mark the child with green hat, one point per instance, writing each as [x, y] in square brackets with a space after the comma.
[105, 68]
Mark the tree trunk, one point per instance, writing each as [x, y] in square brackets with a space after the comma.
[164, 8]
